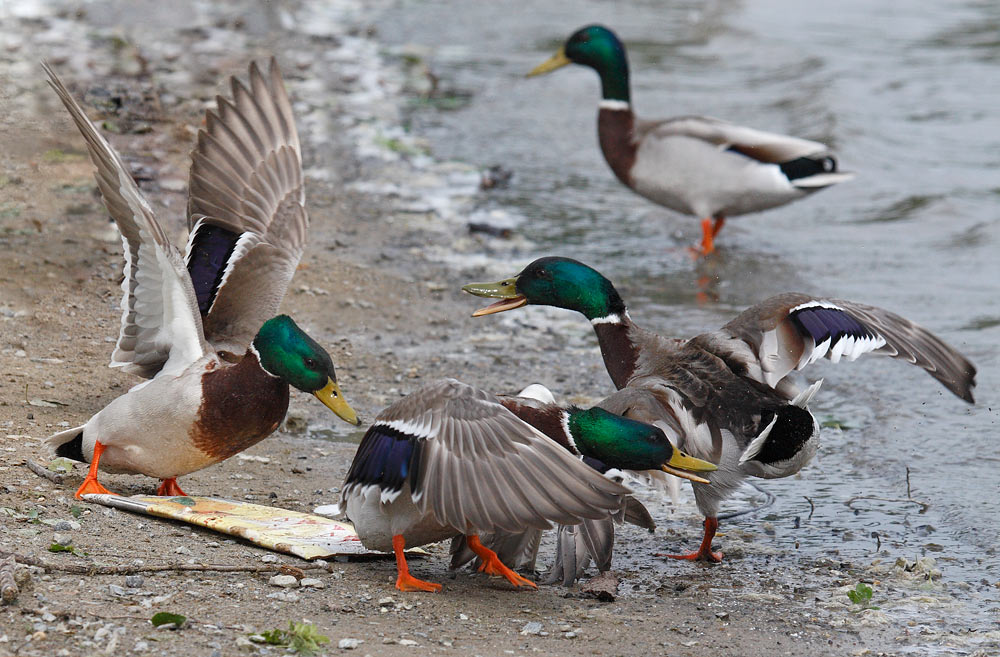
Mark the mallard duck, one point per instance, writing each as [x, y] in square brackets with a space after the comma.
[692, 164]
[450, 460]
[202, 328]
[576, 545]
[726, 396]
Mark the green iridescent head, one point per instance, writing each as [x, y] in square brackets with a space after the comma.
[597, 47]
[629, 445]
[285, 351]
[553, 281]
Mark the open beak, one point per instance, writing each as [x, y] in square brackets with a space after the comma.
[505, 290]
[682, 465]
[557, 60]
[333, 399]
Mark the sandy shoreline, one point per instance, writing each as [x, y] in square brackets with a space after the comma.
[379, 287]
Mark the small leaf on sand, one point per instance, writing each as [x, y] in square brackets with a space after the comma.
[301, 638]
[166, 618]
[56, 547]
[60, 465]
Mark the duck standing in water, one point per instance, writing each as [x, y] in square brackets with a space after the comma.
[202, 327]
[694, 165]
[451, 460]
[726, 396]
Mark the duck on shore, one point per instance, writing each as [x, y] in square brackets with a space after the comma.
[727, 396]
[202, 327]
[450, 460]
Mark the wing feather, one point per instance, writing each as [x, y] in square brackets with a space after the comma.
[484, 470]
[161, 328]
[246, 178]
[790, 331]
[768, 147]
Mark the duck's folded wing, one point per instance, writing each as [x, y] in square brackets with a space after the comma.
[790, 331]
[475, 466]
[161, 328]
[768, 147]
[246, 209]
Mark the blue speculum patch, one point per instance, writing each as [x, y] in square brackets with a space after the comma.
[210, 252]
[386, 457]
[829, 323]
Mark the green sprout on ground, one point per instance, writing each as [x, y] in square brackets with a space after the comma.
[72, 549]
[300, 638]
[165, 618]
[862, 596]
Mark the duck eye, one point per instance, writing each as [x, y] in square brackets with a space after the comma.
[310, 363]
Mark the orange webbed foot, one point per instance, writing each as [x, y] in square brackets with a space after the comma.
[493, 566]
[90, 484]
[709, 229]
[704, 552]
[408, 583]
[700, 555]
[496, 567]
[170, 488]
[404, 580]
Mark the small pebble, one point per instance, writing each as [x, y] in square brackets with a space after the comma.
[284, 596]
[312, 582]
[116, 590]
[408, 642]
[182, 550]
[534, 627]
[66, 526]
[269, 558]
[133, 581]
[62, 539]
[284, 581]
[349, 644]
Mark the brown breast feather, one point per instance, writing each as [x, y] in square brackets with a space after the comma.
[240, 406]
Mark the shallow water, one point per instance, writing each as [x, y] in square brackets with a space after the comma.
[907, 96]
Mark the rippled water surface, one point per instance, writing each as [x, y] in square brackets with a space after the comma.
[906, 93]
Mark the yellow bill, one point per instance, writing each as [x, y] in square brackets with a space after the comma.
[505, 290]
[557, 60]
[333, 399]
[684, 465]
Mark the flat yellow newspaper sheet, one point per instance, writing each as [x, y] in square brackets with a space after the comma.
[302, 534]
